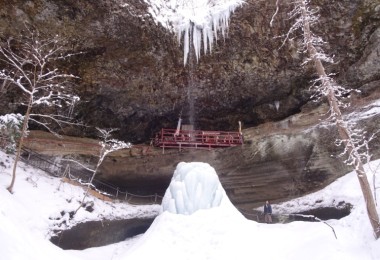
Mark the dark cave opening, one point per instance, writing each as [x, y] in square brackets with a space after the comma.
[323, 213]
[100, 233]
[312, 215]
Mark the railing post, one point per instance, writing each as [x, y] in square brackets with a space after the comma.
[117, 192]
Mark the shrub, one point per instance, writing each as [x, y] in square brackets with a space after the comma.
[10, 131]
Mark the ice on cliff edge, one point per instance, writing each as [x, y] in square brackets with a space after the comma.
[196, 21]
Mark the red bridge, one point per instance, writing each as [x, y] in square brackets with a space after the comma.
[181, 139]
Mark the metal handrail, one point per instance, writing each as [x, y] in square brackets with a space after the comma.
[172, 138]
[83, 177]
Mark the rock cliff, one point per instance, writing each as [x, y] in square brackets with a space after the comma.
[132, 75]
[132, 78]
[278, 161]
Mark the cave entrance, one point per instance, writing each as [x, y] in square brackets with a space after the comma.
[100, 233]
[323, 213]
[312, 215]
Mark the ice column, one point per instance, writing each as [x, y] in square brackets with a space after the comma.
[194, 186]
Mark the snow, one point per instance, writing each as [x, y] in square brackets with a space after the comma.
[13, 119]
[218, 232]
[199, 20]
[29, 214]
[366, 112]
[194, 186]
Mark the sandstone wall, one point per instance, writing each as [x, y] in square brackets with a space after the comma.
[132, 75]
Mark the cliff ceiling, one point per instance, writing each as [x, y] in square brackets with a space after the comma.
[132, 75]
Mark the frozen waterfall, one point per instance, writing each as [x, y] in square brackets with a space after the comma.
[194, 186]
[198, 21]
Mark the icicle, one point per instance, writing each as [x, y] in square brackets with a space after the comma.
[210, 39]
[178, 127]
[216, 19]
[215, 24]
[196, 41]
[186, 45]
[205, 39]
[277, 104]
[203, 19]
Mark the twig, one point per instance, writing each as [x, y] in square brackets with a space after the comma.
[317, 219]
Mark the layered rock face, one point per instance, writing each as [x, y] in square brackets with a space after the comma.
[132, 75]
[277, 162]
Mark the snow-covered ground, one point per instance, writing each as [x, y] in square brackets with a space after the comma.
[39, 204]
[221, 232]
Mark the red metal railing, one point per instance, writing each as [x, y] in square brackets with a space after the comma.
[171, 138]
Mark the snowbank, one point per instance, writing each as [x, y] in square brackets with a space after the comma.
[219, 232]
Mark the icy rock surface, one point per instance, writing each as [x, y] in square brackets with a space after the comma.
[193, 186]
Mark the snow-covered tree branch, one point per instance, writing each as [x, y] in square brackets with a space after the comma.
[28, 64]
[354, 141]
[107, 145]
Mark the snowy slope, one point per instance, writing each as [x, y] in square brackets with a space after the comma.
[41, 203]
[216, 233]
[28, 215]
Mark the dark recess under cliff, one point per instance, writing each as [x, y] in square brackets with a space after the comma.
[100, 233]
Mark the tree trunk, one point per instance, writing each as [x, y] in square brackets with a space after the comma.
[20, 144]
[102, 155]
[342, 128]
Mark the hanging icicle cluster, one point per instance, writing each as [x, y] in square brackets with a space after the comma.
[199, 21]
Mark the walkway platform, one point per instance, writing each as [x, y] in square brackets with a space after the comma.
[196, 139]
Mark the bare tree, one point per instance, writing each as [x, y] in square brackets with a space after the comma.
[107, 145]
[30, 65]
[326, 86]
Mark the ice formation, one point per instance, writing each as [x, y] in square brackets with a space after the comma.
[277, 104]
[194, 186]
[194, 20]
